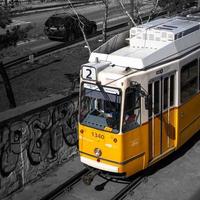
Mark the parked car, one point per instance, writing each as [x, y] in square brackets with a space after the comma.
[67, 27]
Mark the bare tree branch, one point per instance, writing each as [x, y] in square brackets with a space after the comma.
[127, 13]
[81, 26]
[137, 7]
[154, 9]
[104, 29]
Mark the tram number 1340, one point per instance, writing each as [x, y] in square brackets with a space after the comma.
[98, 135]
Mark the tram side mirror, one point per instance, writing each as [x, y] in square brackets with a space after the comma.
[142, 93]
[147, 102]
[136, 86]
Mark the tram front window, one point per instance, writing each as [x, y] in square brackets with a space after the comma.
[100, 108]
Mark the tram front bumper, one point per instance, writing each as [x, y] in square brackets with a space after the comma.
[99, 165]
[128, 167]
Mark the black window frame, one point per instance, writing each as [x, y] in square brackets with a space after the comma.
[133, 93]
[165, 92]
[157, 96]
[172, 89]
[199, 73]
[188, 80]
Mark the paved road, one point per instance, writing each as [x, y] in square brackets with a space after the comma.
[37, 38]
[92, 12]
[95, 13]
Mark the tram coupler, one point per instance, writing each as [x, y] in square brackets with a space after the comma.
[89, 177]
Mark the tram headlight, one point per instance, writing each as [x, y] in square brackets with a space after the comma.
[97, 152]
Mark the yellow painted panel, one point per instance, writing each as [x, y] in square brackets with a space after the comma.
[135, 142]
[156, 137]
[109, 143]
[129, 168]
[157, 144]
[134, 166]
[189, 118]
[128, 148]
[168, 129]
[173, 130]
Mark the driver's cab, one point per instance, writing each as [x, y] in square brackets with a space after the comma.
[101, 107]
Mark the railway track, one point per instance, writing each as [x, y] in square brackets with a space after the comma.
[66, 186]
[129, 188]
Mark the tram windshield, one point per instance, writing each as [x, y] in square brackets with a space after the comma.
[100, 107]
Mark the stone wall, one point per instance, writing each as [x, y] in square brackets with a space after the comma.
[34, 138]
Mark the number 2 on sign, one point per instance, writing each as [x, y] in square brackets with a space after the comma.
[89, 73]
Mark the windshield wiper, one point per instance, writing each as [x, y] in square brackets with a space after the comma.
[106, 96]
[114, 120]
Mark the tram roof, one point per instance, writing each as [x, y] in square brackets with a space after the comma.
[175, 25]
[152, 43]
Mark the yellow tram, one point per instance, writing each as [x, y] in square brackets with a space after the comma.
[140, 95]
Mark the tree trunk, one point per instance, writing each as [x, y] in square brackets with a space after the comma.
[6, 3]
[7, 85]
[104, 30]
[132, 8]
[132, 13]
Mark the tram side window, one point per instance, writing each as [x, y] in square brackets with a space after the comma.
[132, 111]
[189, 80]
[171, 90]
[199, 74]
[168, 81]
[150, 95]
[166, 93]
[156, 97]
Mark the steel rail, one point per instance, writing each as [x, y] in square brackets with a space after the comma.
[131, 186]
[65, 186]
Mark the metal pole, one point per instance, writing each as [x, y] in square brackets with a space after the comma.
[7, 85]
[6, 3]
[105, 21]
[132, 9]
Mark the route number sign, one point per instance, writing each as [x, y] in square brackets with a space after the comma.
[89, 73]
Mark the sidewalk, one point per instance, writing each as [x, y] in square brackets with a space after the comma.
[40, 5]
[54, 178]
[45, 5]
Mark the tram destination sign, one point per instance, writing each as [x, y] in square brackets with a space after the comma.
[106, 89]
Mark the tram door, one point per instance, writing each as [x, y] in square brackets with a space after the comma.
[161, 115]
